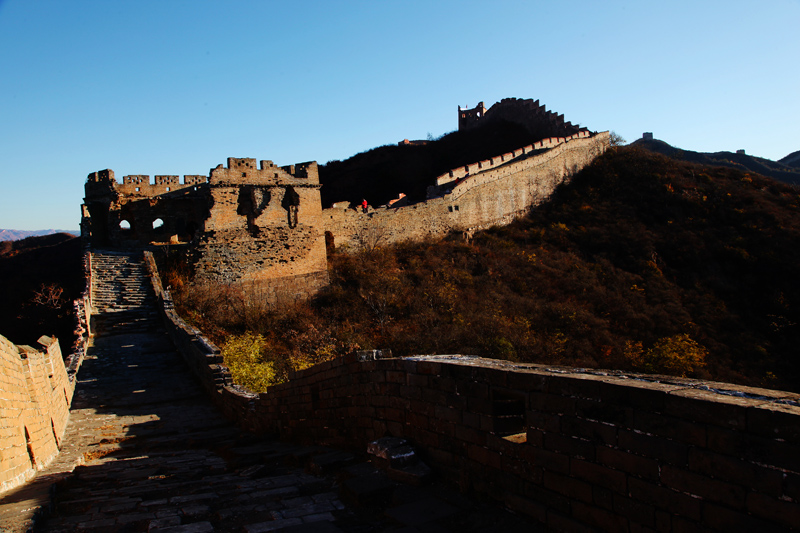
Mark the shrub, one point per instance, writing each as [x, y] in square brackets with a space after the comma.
[244, 356]
[677, 355]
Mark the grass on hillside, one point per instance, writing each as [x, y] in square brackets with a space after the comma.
[640, 263]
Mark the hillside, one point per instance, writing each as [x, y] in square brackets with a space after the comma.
[39, 278]
[380, 174]
[17, 234]
[791, 160]
[641, 263]
[786, 170]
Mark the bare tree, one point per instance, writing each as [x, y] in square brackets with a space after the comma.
[371, 236]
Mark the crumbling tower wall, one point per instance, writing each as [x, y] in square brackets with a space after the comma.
[528, 113]
[468, 117]
[264, 228]
[256, 225]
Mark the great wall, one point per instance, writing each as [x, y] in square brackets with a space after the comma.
[573, 449]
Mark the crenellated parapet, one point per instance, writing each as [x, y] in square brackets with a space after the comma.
[529, 113]
[140, 184]
[493, 162]
[244, 171]
[246, 222]
[466, 199]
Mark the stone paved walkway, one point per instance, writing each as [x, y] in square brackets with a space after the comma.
[153, 454]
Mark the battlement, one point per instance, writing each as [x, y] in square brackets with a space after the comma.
[243, 171]
[529, 113]
[464, 172]
[140, 185]
[473, 197]
[468, 117]
[101, 176]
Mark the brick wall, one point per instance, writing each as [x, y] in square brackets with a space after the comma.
[36, 390]
[570, 449]
[35, 395]
[496, 192]
[575, 449]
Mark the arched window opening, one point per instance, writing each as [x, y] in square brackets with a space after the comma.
[158, 223]
[124, 225]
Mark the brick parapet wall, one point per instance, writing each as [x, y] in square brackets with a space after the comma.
[35, 395]
[495, 196]
[487, 164]
[140, 185]
[574, 449]
[36, 391]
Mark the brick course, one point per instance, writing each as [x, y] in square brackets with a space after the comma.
[35, 395]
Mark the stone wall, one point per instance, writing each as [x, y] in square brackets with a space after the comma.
[527, 112]
[249, 223]
[574, 449]
[263, 227]
[35, 395]
[36, 390]
[473, 197]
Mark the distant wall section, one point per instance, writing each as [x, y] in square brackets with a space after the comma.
[474, 197]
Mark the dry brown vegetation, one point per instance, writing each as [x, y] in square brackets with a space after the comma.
[39, 279]
[641, 263]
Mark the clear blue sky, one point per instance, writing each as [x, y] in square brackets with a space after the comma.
[176, 87]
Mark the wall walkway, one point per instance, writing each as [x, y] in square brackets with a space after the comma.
[571, 448]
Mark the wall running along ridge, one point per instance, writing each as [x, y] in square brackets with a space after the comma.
[470, 198]
[262, 227]
[570, 448]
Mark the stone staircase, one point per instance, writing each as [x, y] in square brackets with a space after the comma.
[122, 296]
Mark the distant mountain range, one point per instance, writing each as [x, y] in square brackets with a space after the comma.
[786, 170]
[791, 160]
[17, 234]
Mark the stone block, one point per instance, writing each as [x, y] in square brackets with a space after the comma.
[634, 465]
[575, 489]
[729, 494]
[599, 475]
[734, 470]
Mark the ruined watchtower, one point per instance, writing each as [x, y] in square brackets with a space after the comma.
[528, 113]
[468, 117]
[258, 225]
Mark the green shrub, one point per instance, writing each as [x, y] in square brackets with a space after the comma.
[244, 356]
